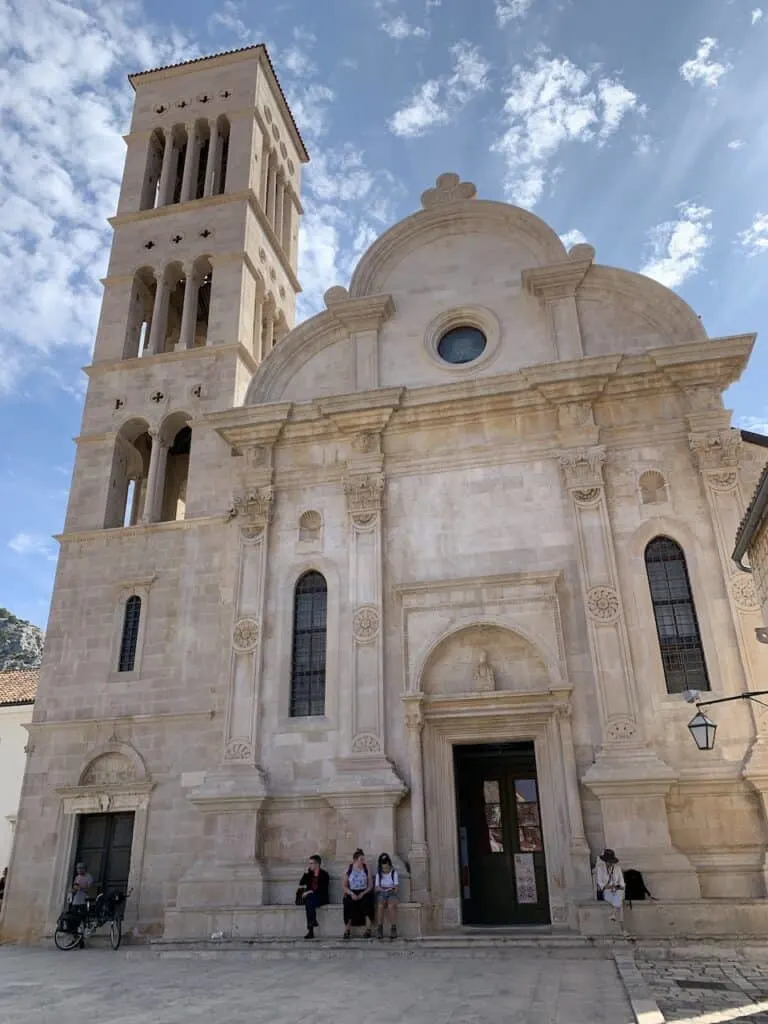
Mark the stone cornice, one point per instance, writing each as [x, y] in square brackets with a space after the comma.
[546, 581]
[361, 412]
[114, 720]
[119, 532]
[142, 362]
[558, 280]
[366, 313]
[716, 363]
[248, 426]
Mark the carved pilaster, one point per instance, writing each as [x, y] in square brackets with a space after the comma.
[583, 474]
[418, 855]
[717, 454]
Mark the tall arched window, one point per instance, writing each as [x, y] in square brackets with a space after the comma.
[130, 636]
[310, 614]
[676, 624]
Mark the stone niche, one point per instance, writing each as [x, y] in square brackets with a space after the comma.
[483, 659]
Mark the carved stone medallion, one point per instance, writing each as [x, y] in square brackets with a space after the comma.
[722, 481]
[743, 592]
[365, 624]
[586, 495]
[621, 729]
[238, 750]
[603, 604]
[245, 635]
[365, 743]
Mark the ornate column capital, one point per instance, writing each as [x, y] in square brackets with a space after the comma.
[413, 712]
[364, 493]
[254, 506]
[716, 449]
[582, 468]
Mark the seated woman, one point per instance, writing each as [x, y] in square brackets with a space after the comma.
[385, 887]
[358, 896]
[313, 892]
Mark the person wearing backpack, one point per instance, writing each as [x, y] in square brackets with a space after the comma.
[609, 882]
[358, 896]
[385, 887]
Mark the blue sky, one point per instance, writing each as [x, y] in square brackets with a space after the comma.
[638, 127]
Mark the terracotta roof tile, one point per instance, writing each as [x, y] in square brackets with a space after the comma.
[227, 53]
[19, 687]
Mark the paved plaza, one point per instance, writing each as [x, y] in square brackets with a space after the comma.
[357, 987]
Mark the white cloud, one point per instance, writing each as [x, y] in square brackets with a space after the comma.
[64, 103]
[678, 246]
[549, 104]
[400, 28]
[701, 69]
[346, 204]
[757, 15]
[757, 424]
[31, 544]
[754, 239]
[644, 144]
[572, 237]
[438, 100]
[229, 18]
[736, 144]
[509, 10]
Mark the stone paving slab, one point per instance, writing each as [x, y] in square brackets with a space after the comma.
[99, 986]
[707, 991]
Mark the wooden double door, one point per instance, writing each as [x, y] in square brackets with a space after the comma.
[502, 864]
[104, 846]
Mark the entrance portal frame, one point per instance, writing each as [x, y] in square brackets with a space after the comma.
[500, 718]
[526, 604]
[122, 784]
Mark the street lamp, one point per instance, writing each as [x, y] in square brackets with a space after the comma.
[703, 729]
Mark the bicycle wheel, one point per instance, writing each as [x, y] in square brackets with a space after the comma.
[65, 940]
[115, 932]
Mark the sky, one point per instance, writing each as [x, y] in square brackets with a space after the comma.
[638, 127]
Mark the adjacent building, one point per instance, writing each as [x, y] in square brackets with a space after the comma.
[428, 573]
[17, 696]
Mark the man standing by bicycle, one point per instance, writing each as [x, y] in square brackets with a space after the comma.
[80, 886]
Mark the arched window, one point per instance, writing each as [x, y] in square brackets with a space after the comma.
[310, 614]
[130, 637]
[676, 624]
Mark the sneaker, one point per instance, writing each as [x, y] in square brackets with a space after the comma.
[310, 934]
[346, 936]
[393, 933]
[380, 932]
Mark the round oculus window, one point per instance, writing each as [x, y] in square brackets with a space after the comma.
[461, 345]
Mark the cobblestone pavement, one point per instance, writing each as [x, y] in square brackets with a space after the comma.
[708, 991]
[97, 986]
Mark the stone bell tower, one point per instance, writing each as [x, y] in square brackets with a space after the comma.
[201, 283]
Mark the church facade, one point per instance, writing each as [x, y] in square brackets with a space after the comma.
[428, 573]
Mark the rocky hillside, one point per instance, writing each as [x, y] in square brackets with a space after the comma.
[21, 643]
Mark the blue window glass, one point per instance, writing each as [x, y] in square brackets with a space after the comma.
[461, 345]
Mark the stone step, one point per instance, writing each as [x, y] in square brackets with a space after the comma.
[462, 945]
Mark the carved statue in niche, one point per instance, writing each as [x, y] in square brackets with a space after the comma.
[484, 676]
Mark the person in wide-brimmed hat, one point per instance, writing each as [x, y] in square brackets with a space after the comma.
[609, 880]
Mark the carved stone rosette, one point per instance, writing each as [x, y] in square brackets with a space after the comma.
[365, 624]
[743, 592]
[246, 634]
[603, 604]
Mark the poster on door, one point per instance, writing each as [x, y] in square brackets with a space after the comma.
[525, 878]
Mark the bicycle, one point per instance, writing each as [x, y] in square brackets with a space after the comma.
[78, 922]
